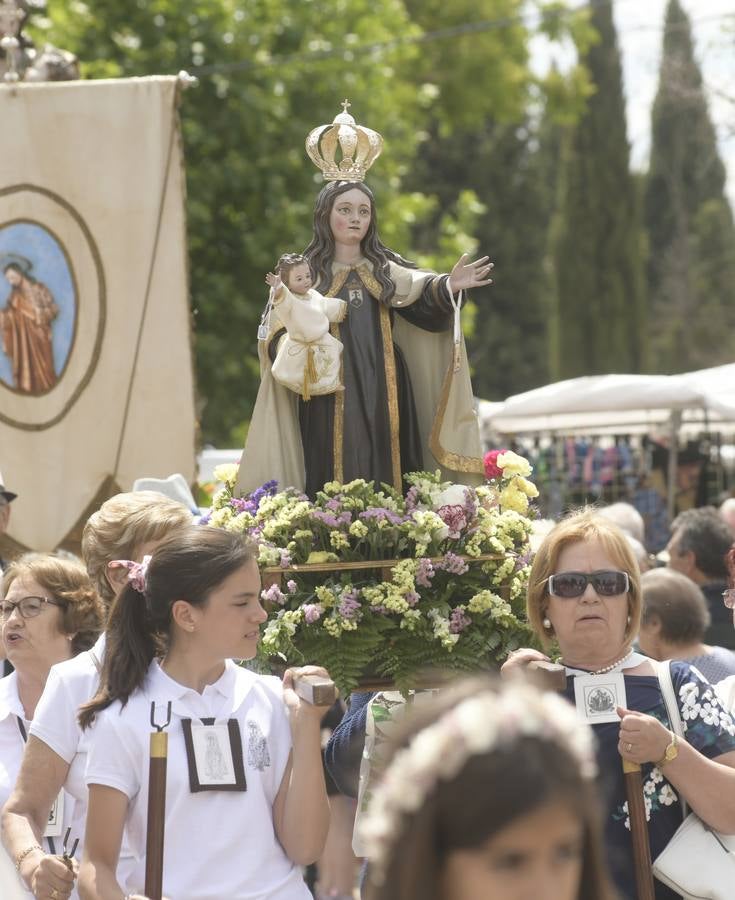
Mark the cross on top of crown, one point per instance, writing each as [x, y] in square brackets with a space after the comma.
[346, 105]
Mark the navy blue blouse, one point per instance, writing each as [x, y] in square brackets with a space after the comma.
[708, 727]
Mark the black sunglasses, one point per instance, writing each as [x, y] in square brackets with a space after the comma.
[573, 584]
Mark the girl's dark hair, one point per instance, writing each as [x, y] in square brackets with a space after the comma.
[187, 566]
[490, 791]
[320, 251]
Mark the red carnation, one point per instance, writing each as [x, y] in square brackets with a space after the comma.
[492, 470]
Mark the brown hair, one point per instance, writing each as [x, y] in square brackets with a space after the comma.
[121, 526]
[581, 526]
[66, 580]
[464, 811]
[187, 566]
[678, 603]
[289, 261]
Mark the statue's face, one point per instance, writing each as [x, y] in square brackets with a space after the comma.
[13, 276]
[350, 217]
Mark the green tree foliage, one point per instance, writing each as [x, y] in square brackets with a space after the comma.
[599, 291]
[691, 268]
[270, 71]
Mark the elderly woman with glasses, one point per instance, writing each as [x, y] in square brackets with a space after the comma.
[585, 595]
[49, 612]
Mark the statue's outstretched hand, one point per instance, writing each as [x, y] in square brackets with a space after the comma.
[466, 275]
[274, 281]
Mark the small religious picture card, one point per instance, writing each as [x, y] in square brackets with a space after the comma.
[598, 696]
[214, 755]
[55, 824]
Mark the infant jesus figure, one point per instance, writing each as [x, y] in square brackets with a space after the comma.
[309, 357]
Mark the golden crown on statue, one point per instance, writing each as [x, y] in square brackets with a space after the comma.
[359, 148]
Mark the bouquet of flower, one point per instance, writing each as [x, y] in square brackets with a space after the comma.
[448, 588]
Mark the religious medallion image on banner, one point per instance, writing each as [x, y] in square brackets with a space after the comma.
[96, 376]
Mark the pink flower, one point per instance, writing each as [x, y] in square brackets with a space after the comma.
[312, 612]
[492, 469]
[455, 518]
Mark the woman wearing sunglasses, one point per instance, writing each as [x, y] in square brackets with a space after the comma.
[49, 612]
[584, 594]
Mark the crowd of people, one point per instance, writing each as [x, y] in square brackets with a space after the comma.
[492, 788]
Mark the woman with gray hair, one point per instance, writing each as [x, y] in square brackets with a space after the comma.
[674, 619]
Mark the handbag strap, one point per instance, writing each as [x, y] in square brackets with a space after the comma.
[663, 671]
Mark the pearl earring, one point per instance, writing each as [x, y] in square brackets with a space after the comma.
[547, 623]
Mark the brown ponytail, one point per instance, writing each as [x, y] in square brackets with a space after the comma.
[187, 566]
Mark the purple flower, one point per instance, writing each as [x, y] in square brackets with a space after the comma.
[523, 560]
[242, 504]
[312, 612]
[453, 564]
[326, 518]
[333, 504]
[204, 520]
[273, 594]
[265, 490]
[291, 586]
[455, 518]
[458, 621]
[412, 598]
[285, 559]
[349, 605]
[424, 573]
[412, 499]
[379, 512]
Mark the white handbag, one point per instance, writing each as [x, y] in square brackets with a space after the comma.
[698, 862]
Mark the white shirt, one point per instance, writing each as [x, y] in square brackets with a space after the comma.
[69, 685]
[12, 746]
[217, 843]
[725, 690]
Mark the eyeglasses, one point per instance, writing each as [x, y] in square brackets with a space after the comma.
[28, 607]
[728, 598]
[573, 584]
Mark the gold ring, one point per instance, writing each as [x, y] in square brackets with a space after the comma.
[628, 747]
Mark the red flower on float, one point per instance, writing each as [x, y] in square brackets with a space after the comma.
[492, 469]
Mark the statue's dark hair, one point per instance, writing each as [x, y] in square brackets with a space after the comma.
[320, 251]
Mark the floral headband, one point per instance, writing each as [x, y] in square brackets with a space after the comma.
[475, 726]
[136, 571]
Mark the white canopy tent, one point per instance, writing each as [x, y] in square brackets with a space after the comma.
[615, 403]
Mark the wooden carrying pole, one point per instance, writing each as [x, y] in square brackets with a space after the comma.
[156, 808]
[638, 831]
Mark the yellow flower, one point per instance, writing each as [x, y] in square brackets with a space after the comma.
[227, 473]
[322, 556]
[528, 487]
[358, 529]
[512, 498]
[513, 464]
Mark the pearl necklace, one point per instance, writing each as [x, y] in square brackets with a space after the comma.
[606, 669]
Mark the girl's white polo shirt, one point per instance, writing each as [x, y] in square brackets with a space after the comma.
[218, 843]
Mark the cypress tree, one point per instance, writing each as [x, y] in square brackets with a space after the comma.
[599, 316]
[691, 268]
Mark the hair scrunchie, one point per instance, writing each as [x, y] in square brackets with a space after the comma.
[136, 571]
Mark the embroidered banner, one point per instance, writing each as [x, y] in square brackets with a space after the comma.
[96, 381]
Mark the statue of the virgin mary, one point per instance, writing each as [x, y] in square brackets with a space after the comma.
[407, 402]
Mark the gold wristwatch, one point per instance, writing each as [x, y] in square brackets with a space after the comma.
[671, 752]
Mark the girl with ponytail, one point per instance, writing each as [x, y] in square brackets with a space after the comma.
[244, 761]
